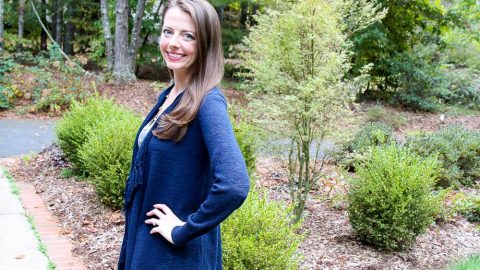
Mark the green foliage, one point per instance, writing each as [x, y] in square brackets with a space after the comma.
[391, 203]
[72, 129]
[464, 87]
[393, 45]
[471, 263]
[7, 92]
[230, 37]
[381, 115]
[420, 83]
[470, 207]
[458, 151]
[260, 235]
[451, 204]
[106, 155]
[296, 62]
[371, 135]
[246, 135]
[360, 146]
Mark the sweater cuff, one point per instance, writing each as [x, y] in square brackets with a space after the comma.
[180, 235]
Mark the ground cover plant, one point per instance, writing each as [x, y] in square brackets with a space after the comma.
[359, 147]
[458, 150]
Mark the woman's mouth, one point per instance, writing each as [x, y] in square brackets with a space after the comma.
[174, 56]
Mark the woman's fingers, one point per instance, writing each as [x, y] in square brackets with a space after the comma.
[165, 209]
[152, 221]
[156, 212]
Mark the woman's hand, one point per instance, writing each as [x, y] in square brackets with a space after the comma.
[164, 222]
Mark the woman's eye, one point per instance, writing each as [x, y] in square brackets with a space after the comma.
[188, 37]
[167, 32]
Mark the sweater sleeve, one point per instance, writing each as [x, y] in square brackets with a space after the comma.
[230, 177]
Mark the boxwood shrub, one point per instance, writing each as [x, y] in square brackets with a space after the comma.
[71, 129]
[260, 235]
[391, 203]
[107, 154]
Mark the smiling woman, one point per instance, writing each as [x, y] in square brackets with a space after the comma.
[187, 173]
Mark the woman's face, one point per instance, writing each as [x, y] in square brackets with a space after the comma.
[178, 43]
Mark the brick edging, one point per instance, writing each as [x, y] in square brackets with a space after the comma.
[58, 246]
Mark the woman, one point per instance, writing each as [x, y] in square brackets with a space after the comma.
[187, 172]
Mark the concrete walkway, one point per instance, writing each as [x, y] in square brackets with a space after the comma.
[19, 247]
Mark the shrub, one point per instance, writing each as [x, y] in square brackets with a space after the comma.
[464, 87]
[359, 148]
[458, 150]
[107, 153]
[471, 263]
[71, 129]
[260, 235]
[391, 203]
[471, 208]
[246, 136]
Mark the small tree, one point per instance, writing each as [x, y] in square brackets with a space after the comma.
[297, 59]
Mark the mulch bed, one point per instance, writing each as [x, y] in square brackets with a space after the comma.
[97, 231]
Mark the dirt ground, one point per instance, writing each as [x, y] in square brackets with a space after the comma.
[97, 231]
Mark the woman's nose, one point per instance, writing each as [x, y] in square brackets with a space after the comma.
[173, 41]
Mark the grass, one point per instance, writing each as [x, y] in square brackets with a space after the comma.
[13, 186]
[41, 246]
[459, 110]
[471, 263]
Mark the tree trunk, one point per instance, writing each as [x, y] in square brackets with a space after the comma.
[53, 14]
[107, 34]
[69, 29]
[155, 18]
[251, 19]
[1, 27]
[243, 14]
[220, 12]
[21, 12]
[43, 35]
[122, 67]
[58, 22]
[135, 39]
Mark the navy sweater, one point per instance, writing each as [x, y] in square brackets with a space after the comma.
[202, 178]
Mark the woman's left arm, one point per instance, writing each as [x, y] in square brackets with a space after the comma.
[230, 177]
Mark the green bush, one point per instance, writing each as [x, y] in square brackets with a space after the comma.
[371, 135]
[247, 137]
[471, 208]
[359, 148]
[464, 87]
[458, 150]
[71, 129]
[260, 235]
[391, 203]
[471, 263]
[107, 153]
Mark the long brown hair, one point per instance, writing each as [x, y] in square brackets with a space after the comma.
[206, 71]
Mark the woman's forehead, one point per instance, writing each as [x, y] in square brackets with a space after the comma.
[178, 19]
